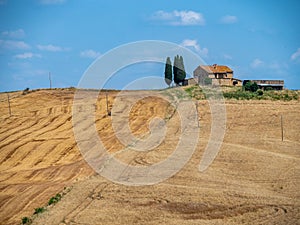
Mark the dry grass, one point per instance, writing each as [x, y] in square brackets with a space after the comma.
[254, 179]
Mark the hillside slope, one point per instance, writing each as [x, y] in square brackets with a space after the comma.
[254, 179]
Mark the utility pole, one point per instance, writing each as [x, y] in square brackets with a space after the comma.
[8, 104]
[108, 112]
[281, 127]
[50, 80]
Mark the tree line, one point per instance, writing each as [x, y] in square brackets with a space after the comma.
[178, 75]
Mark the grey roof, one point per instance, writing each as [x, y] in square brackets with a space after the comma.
[274, 85]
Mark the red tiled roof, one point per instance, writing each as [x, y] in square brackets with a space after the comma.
[217, 69]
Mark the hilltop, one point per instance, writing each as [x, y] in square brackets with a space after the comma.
[253, 180]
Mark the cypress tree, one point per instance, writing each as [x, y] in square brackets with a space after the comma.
[176, 69]
[181, 74]
[168, 72]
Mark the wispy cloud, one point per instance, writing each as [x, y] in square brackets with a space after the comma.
[256, 63]
[90, 54]
[277, 68]
[27, 55]
[9, 44]
[296, 55]
[51, 48]
[228, 19]
[179, 18]
[195, 46]
[14, 34]
[51, 2]
[2, 2]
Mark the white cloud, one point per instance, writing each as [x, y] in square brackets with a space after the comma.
[256, 63]
[14, 34]
[8, 44]
[179, 18]
[296, 55]
[194, 45]
[228, 19]
[27, 55]
[191, 43]
[51, 2]
[90, 54]
[51, 48]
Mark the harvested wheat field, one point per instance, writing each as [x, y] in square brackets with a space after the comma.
[254, 179]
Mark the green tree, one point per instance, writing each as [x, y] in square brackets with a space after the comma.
[247, 86]
[178, 70]
[251, 86]
[254, 87]
[168, 72]
[175, 69]
[181, 71]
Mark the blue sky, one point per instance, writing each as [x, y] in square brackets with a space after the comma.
[258, 39]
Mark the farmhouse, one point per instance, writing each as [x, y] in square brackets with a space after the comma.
[223, 76]
[219, 75]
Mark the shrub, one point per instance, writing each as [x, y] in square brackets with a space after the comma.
[259, 92]
[25, 91]
[190, 90]
[286, 97]
[26, 220]
[275, 97]
[239, 95]
[54, 199]
[254, 87]
[249, 86]
[295, 96]
[39, 210]
[269, 89]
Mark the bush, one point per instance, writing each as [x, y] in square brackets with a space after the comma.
[39, 210]
[26, 220]
[249, 86]
[54, 199]
[295, 96]
[286, 97]
[239, 95]
[269, 89]
[25, 91]
[195, 92]
[259, 92]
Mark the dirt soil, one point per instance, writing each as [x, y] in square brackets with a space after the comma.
[254, 179]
